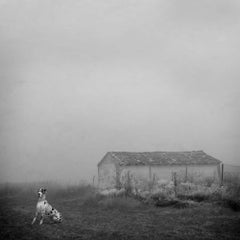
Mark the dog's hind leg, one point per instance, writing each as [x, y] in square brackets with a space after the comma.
[34, 219]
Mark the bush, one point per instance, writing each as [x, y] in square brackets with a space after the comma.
[184, 204]
[232, 184]
[165, 203]
[234, 204]
[199, 197]
[209, 181]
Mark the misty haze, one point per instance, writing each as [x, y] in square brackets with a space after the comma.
[119, 119]
[81, 78]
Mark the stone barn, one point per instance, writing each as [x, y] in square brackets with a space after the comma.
[140, 168]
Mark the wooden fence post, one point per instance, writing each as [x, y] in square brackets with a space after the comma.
[93, 180]
[150, 172]
[174, 177]
[222, 175]
[186, 174]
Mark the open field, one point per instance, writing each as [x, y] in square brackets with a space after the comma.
[89, 217]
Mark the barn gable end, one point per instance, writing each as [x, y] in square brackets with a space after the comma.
[107, 175]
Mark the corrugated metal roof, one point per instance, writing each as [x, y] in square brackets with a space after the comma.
[164, 158]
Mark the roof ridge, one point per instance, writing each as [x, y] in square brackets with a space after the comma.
[144, 152]
[164, 158]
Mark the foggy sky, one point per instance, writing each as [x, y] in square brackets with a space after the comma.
[80, 78]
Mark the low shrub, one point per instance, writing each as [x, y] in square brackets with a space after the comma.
[234, 204]
[184, 204]
[165, 203]
[198, 197]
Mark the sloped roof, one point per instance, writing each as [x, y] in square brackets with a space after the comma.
[164, 158]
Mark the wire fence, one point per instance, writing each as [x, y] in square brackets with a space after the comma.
[230, 173]
[228, 168]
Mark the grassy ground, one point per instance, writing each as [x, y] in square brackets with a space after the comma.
[87, 217]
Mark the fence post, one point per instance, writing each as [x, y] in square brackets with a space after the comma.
[174, 176]
[186, 174]
[222, 174]
[93, 180]
[150, 172]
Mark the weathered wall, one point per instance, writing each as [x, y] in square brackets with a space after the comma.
[136, 176]
[107, 173]
[141, 175]
[136, 171]
[196, 172]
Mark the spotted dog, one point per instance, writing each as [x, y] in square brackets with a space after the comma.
[44, 209]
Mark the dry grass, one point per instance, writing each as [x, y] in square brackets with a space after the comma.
[162, 193]
[90, 216]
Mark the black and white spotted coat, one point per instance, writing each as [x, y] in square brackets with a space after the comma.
[44, 209]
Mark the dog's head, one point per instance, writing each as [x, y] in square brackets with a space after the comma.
[42, 192]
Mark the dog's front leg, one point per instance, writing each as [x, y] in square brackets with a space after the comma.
[41, 220]
[34, 219]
